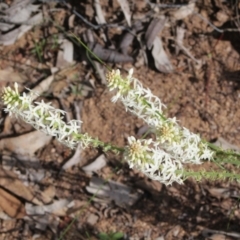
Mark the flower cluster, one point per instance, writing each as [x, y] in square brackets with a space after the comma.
[174, 145]
[42, 116]
[161, 159]
[147, 157]
[135, 98]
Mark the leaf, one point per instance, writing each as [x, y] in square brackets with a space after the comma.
[179, 44]
[126, 11]
[25, 144]
[154, 28]
[8, 75]
[58, 208]
[96, 165]
[19, 11]
[42, 222]
[11, 205]
[118, 235]
[162, 63]
[184, 11]
[10, 181]
[225, 145]
[28, 170]
[12, 36]
[129, 36]
[5, 26]
[65, 54]
[43, 86]
[121, 194]
[108, 55]
[103, 236]
[100, 16]
[74, 160]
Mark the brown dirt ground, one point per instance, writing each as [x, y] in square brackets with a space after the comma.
[205, 100]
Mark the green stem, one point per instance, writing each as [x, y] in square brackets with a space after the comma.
[210, 175]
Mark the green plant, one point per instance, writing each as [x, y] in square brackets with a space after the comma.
[54, 42]
[39, 49]
[163, 158]
[111, 236]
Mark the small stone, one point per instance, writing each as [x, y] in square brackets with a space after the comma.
[222, 17]
[92, 219]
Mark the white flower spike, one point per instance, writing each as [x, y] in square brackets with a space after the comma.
[160, 159]
[42, 116]
[174, 145]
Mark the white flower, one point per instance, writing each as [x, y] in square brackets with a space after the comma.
[74, 126]
[138, 100]
[162, 159]
[147, 157]
[38, 123]
[25, 99]
[43, 116]
[53, 119]
[43, 107]
[70, 142]
[206, 153]
[175, 144]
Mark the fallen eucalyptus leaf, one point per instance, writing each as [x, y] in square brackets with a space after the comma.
[121, 194]
[126, 10]
[74, 160]
[12, 36]
[180, 46]
[25, 144]
[129, 36]
[96, 165]
[154, 28]
[162, 63]
[109, 55]
[99, 12]
[58, 208]
[11, 205]
[42, 222]
[184, 11]
[65, 54]
[10, 181]
[225, 145]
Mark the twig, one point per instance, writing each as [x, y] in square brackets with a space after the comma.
[160, 5]
[95, 27]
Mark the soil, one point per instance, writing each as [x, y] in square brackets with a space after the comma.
[203, 96]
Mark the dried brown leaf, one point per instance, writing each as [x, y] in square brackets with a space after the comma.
[12, 36]
[8, 75]
[10, 181]
[11, 205]
[161, 60]
[154, 28]
[129, 36]
[26, 144]
[121, 194]
[108, 55]
[100, 15]
[126, 10]
[184, 11]
[96, 165]
[74, 160]
[219, 192]
[65, 54]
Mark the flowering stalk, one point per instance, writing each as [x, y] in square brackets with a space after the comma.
[174, 145]
[180, 142]
[147, 157]
[42, 116]
[162, 159]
